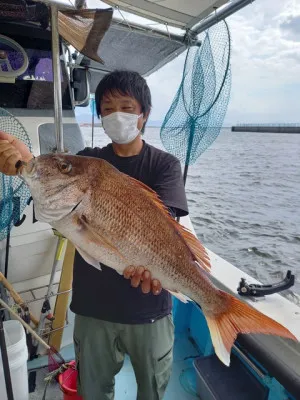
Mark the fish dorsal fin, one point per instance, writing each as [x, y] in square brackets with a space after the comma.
[197, 250]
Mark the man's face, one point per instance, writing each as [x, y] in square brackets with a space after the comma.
[113, 102]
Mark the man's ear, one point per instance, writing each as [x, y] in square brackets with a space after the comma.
[146, 116]
[145, 119]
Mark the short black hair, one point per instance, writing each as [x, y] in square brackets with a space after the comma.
[125, 82]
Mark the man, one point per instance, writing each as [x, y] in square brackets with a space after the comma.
[115, 316]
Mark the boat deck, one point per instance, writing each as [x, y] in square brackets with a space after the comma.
[182, 385]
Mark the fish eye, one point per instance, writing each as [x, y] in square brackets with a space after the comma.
[65, 167]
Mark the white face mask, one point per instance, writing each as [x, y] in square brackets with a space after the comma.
[121, 127]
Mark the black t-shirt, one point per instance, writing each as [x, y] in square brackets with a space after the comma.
[106, 294]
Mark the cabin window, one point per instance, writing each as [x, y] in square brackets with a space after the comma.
[34, 88]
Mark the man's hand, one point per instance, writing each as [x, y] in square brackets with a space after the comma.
[11, 151]
[140, 276]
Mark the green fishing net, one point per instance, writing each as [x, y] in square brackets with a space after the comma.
[14, 193]
[197, 112]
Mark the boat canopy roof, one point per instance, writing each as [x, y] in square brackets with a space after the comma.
[165, 32]
[132, 48]
[178, 13]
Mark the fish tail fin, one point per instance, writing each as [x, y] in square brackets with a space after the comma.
[239, 318]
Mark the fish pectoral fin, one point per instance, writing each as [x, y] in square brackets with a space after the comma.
[97, 238]
[239, 318]
[180, 296]
[90, 260]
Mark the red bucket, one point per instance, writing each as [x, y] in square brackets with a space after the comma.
[68, 382]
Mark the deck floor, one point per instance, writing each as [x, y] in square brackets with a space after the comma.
[182, 384]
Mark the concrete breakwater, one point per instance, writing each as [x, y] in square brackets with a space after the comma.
[266, 128]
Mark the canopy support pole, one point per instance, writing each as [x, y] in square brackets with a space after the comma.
[57, 80]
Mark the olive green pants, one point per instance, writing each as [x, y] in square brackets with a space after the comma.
[100, 347]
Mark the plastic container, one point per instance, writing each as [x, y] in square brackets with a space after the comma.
[68, 383]
[17, 357]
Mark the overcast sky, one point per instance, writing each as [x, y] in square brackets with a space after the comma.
[265, 65]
